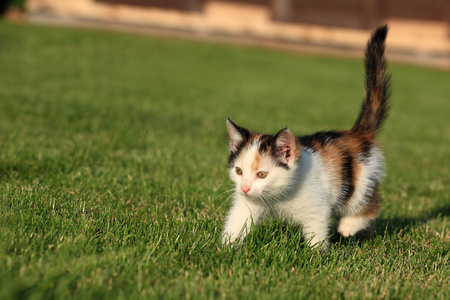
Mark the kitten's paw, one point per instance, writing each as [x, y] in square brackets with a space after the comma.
[322, 246]
[353, 226]
[229, 239]
[317, 242]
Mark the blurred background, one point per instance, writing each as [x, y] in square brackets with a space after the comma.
[420, 30]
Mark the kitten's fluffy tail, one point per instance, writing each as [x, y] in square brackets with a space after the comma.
[374, 110]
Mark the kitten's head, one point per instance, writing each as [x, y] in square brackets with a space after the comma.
[261, 165]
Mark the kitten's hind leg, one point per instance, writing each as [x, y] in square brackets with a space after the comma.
[357, 226]
[361, 224]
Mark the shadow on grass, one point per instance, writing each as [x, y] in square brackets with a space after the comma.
[390, 226]
[393, 225]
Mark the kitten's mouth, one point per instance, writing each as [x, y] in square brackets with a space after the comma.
[251, 196]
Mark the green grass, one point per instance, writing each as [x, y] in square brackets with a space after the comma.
[113, 161]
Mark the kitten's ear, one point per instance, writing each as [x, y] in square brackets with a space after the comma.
[238, 135]
[286, 146]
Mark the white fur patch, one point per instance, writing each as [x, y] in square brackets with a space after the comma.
[349, 226]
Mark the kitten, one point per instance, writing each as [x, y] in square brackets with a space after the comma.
[309, 179]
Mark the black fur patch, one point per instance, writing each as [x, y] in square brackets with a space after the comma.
[232, 158]
[365, 152]
[348, 185]
[265, 143]
[282, 165]
[234, 155]
[319, 139]
[246, 135]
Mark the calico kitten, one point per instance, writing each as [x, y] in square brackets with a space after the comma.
[309, 179]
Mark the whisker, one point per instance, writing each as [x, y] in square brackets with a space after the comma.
[267, 199]
[226, 201]
[227, 191]
[223, 182]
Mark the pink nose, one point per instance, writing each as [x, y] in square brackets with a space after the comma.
[245, 189]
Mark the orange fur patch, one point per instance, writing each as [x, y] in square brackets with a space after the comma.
[333, 154]
[256, 163]
[332, 157]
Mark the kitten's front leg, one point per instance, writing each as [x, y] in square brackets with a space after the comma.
[240, 218]
[316, 233]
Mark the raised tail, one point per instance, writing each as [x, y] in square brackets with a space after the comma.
[375, 107]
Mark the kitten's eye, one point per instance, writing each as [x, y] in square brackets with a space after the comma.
[261, 174]
[238, 171]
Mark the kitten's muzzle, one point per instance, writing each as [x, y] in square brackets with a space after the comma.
[245, 189]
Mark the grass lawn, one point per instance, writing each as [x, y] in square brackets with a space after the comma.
[113, 171]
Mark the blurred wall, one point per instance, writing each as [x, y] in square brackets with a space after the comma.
[420, 28]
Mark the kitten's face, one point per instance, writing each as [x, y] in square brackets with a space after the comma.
[260, 165]
[257, 175]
